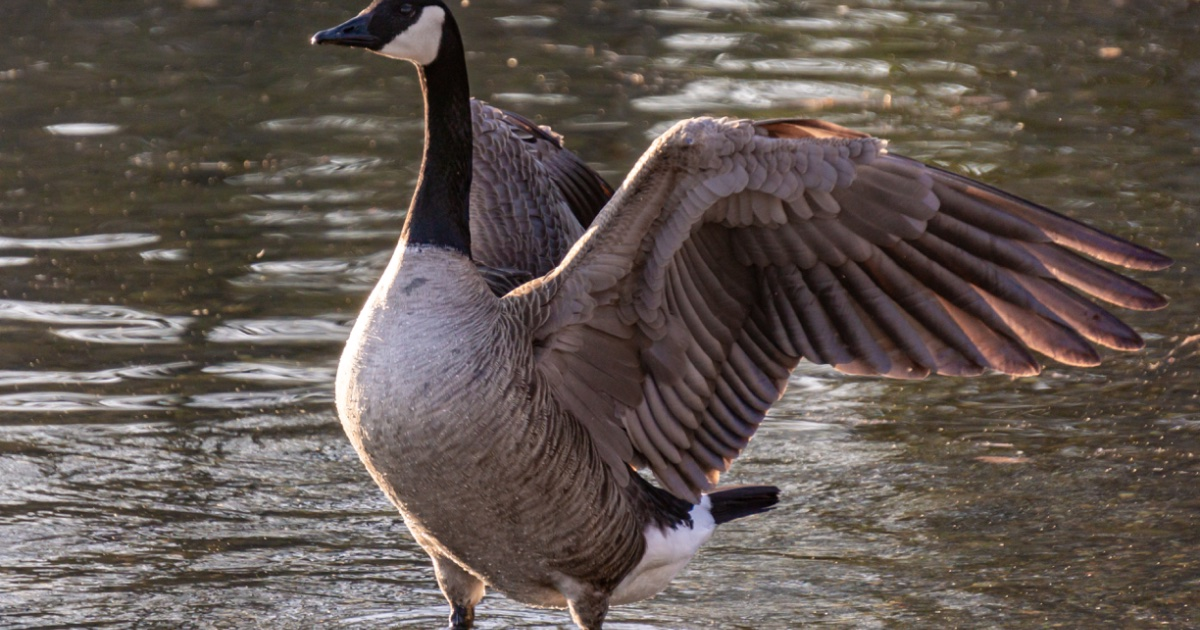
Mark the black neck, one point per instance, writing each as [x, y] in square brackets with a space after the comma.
[439, 213]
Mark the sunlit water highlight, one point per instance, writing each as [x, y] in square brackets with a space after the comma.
[194, 203]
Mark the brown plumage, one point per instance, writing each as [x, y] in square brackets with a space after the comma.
[507, 426]
[735, 249]
[531, 198]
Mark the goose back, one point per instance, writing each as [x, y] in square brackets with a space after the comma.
[531, 199]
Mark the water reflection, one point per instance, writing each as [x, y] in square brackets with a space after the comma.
[83, 129]
[297, 330]
[98, 377]
[720, 93]
[90, 242]
[703, 41]
[106, 324]
[865, 68]
[271, 373]
[193, 205]
[367, 125]
[165, 255]
[64, 402]
[262, 400]
[329, 275]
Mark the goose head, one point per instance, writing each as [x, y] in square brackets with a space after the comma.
[411, 30]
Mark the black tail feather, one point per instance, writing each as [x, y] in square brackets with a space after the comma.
[733, 502]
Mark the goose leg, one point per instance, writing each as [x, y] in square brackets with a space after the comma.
[588, 610]
[461, 617]
[461, 589]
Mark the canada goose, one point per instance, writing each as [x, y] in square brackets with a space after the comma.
[507, 428]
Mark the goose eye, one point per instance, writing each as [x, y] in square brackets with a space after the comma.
[406, 9]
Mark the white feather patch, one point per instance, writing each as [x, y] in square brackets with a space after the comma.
[667, 552]
[420, 42]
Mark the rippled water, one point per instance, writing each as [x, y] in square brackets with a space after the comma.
[194, 202]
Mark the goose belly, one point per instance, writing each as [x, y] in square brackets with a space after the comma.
[493, 488]
[441, 405]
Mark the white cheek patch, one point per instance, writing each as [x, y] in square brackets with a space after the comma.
[419, 43]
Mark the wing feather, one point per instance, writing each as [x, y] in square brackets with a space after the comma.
[735, 249]
[530, 197]
[1103, 283]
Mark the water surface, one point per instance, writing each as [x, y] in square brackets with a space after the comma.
[194, 203]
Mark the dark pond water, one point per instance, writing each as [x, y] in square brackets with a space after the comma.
[194, 202]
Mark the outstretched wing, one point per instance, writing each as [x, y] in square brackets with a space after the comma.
[530, 197]
[735, 249]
